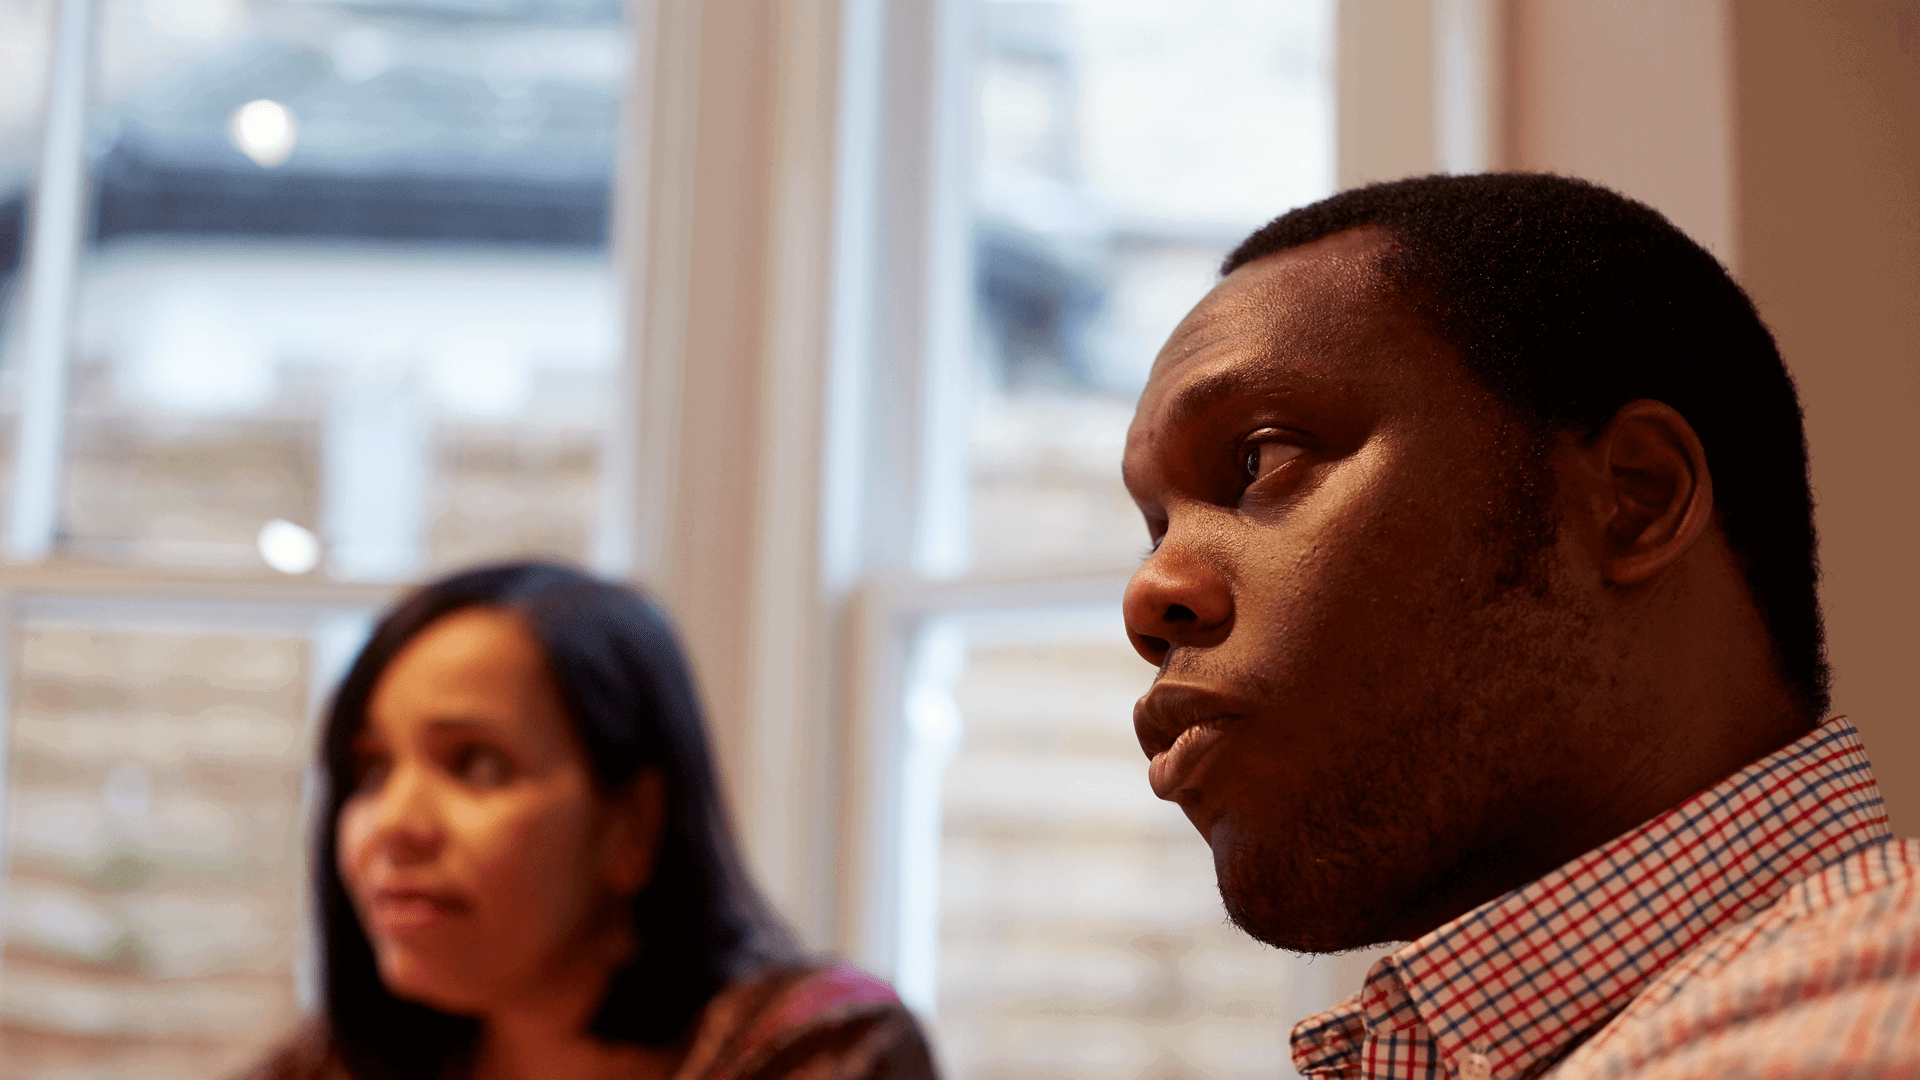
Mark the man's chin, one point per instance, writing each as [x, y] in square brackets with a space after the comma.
[1298, 920]
[1291, 935]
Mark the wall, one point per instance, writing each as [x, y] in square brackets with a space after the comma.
[1829, 218]
[1384, 57]
[1634, 94]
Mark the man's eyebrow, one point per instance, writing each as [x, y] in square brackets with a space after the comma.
[1207, 391]
[1202, 394]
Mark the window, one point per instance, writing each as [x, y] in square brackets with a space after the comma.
[301, 300]
[156, 835]
[346, 268]
[1121, 150]
[25, 41]
[1054, 919]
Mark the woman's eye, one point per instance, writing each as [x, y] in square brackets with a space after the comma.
[369, 772]
[1263, 458]
[481, 766]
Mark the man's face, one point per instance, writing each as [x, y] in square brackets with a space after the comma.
[1363, 626]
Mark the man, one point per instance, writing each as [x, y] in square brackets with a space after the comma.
[1483, 598]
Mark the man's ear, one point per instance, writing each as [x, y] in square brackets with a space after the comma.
[639, 815]
[1653, 496]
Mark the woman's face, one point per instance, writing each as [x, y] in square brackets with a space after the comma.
[485, 869]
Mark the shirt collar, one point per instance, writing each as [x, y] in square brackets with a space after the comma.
[1524, 977]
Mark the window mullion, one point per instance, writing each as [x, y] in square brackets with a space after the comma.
[55, 235]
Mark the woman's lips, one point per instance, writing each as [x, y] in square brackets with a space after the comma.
[1171, 771]
[397, 913]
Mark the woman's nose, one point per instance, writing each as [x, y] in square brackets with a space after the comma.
[408, 827]
[1176, 598]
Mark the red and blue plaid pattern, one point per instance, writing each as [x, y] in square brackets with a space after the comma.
[1526, 978]
[1825, 983]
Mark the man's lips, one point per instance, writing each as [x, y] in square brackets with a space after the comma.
[1178, 727]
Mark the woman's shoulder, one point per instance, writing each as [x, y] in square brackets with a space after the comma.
[824, 1020]
[306, 1055]
[809, 992]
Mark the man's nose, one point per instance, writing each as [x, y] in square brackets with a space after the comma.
[1176, 598]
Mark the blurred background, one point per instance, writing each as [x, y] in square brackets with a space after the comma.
[824, 319]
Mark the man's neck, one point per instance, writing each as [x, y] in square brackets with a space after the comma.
[1707, 701]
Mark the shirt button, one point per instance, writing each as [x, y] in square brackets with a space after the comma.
[1473, 1066]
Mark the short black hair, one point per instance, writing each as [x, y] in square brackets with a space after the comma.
[626, 686]
[1568, 301]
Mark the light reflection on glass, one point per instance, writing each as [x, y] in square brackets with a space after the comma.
[264, 131]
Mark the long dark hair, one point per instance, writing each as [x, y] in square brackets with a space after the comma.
[700, 921]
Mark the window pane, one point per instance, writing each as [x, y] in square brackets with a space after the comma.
[348, 270]
[1080, 930]
[1122, 147]
[26, 28]
[156, 857]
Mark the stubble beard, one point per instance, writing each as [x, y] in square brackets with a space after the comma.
[1409, 820]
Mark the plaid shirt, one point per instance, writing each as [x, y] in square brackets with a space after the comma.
[1767, 926]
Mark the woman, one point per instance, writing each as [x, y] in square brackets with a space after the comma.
[525, 870]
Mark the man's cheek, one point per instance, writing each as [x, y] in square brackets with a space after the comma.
[1244, 855]
[1243, 811]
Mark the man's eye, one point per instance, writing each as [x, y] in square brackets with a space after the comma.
[1263, 458]
[481, 766]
